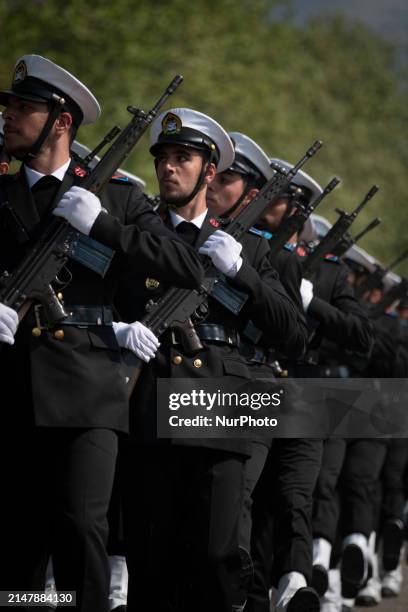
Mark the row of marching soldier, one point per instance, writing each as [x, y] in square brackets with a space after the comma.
[95, 503]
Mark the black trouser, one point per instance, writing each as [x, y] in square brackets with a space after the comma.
[358, 485]
[252, 471]
[281, 528]
[326, 505]
[392, 480]
[58, 484]
[182, 512]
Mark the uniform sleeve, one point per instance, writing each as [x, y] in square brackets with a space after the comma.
[271, 309]
[142, 236]
[343, 320]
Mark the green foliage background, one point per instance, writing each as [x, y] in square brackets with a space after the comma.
[282, 84]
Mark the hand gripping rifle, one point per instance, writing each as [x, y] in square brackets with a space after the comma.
[347, 241]
[177, 307]
[33, 276]
[375, 278]
[335, 233]
[294, 223]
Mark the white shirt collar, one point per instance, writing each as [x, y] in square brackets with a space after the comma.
[33, 176]
[198, 221]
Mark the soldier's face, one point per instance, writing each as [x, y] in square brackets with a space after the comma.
[178, 169]
[272, 217]
[23, 123]
[226, 188]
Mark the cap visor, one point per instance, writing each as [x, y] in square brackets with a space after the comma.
[5, 95]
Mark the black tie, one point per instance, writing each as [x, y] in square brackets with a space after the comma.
[188, 232]
[44, 192]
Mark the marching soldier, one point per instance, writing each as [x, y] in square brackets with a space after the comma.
[68, 392]
[191, 489]
[228, 193]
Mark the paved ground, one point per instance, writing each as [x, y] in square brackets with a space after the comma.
[394, 604]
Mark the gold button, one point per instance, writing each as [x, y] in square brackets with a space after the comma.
[284, 374]
[60, 296]
[197, 363]
[151, 283]
[177, 359]
[59, 334]
[36, 332]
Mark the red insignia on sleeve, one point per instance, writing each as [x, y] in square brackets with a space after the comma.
[79, 171]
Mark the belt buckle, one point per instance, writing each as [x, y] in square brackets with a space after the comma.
[38, 309]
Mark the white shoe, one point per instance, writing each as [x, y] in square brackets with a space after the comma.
[392, 583]
[354, 566]
[118, 582]
[321, 563]
[331, 600]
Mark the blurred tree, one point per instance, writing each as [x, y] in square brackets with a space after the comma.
[283, 85]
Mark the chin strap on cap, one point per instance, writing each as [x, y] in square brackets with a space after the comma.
[56, 103]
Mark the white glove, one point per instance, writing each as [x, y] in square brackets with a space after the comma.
[137, 338]
[80, 208]
[8, 324]
[224, 251]
[306, 291]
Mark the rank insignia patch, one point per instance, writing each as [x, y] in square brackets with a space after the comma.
[171, 124]
[78, 171]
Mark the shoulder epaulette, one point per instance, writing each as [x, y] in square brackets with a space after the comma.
[119, 178]
[331, 257]
[258, 232]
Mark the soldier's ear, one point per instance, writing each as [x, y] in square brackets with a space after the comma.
[210, 173]
[63, 122]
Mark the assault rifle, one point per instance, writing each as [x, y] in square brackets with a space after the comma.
[40, 267]
[375, 278]
[178, 307]
[334, 234]
[294, 223]
[347, 241]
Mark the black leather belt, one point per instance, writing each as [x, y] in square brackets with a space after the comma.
[218, 333]
[258, 355]
[321, 371]
[212, 332]
[79, 315]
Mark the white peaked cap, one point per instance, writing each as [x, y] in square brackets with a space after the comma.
[38, 79]
[247, 148]
[192, 129]
[301, 179]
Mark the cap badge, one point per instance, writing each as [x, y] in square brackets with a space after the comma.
[20, 72]
[171, 124]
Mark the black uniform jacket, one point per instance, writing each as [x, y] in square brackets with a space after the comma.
[77, 381]
[268, 306]
[334, 310]
[389, 355]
